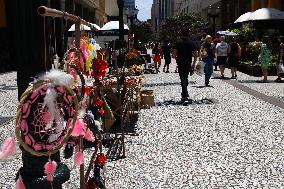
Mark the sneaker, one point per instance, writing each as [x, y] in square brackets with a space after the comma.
[167, 71]
[163, 69]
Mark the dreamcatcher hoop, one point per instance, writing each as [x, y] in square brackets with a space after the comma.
[30, 90]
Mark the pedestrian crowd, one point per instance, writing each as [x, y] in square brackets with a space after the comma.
[189, 56]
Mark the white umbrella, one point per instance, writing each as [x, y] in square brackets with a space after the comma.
[113, 25]
[267, 14]
[231, 34]
[82, 27]
[96, 26]
[244, 17]
[223, 32]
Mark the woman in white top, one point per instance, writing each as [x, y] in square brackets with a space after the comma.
[222, 50]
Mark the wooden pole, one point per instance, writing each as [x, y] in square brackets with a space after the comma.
[45, 11]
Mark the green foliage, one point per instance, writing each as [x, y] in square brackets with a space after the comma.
[254, 51]
[246, 33]
[175, 24]
[142, 31]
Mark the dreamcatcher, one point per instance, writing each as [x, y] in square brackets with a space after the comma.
[46, 117]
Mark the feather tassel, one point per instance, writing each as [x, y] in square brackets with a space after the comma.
[59, 78]
[79, 158]
[79, 128]
[89, 136]
[49, 170]
[50, 102]
[8, 149]
[20, 183]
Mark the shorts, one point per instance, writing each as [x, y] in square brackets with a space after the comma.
[221, 60]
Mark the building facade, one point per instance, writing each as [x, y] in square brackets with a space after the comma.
[129, 4]
[154, 15]
[161, 9]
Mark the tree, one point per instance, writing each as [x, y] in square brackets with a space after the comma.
[175, 24]
[142, 31]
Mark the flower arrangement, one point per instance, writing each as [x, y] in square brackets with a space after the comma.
[136, 69]
[132, 58]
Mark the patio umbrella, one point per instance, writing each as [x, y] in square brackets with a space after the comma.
[231, 34]
[222, 32]
[244, 17]
[267, 14]
[82, 27]
[113, 25]
[96, 26]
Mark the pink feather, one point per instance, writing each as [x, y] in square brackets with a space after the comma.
[79, 158]
[79, 128]
[20, 184]
[89, 135]
[49, 169]
[8, 148]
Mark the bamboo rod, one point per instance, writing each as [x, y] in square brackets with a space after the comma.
[45, 11]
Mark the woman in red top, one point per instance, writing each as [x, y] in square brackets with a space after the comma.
[156, 51]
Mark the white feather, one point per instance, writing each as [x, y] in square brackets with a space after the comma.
[59, 78]
[50, 102]
[81, 113]
[98, 124]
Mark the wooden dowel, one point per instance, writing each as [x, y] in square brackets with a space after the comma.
[45, 11]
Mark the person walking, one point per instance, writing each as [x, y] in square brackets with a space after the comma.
[222, 50]
[156, 51]
[166, 49]
[281, 59]
[184, 49]
[265, 56]
[216, 41]
[234, 54]
[207, 54]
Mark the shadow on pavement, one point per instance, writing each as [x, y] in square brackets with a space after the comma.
[188, 102]
[5, 120]
[4, 87]
[165, 84]
[225, 78]
[202, 86]
[258, 81]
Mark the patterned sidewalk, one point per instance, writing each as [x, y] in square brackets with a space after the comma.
[237, 142]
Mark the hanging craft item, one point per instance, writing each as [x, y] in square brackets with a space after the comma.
[47, 114]
[72, 67]
[98, 180]
[8, 149]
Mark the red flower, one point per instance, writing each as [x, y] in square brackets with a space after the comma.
[102, 112]
[88, 90]
[99, 102]
[87, 73]
[101, 159]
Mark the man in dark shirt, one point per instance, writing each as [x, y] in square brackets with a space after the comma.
[184, 49]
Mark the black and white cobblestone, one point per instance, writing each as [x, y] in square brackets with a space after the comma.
[236, 143]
